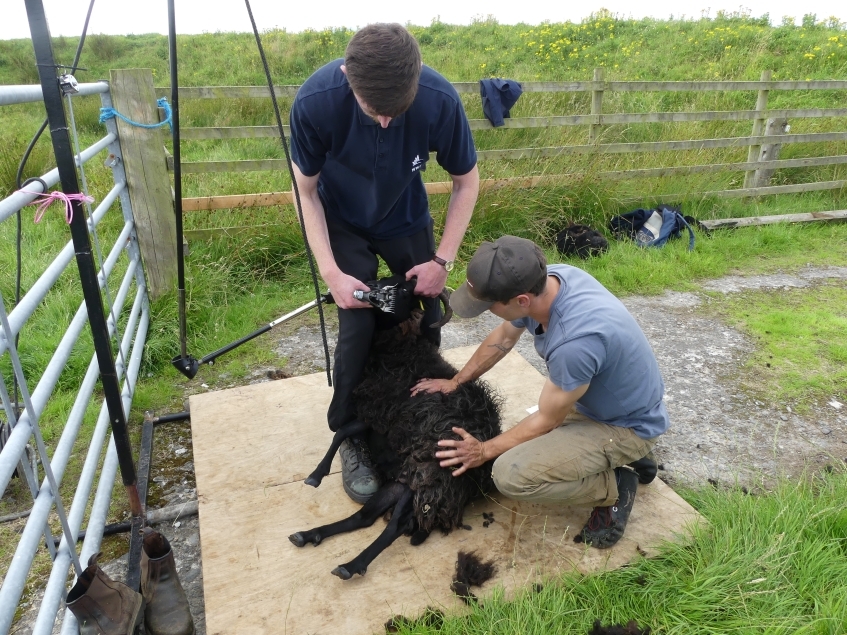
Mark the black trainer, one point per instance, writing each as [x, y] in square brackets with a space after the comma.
[606, 525]
[646, 467]
[358, 475]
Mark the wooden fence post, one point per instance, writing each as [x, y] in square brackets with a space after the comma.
[148, 182]
[758, 128]
[769, 151]
[596, 107]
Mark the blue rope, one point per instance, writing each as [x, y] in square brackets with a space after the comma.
[108, 113]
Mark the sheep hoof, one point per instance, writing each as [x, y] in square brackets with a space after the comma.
[301, 538]
[313, 481]
[342, 573]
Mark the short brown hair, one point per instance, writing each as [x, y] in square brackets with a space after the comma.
[383, 64]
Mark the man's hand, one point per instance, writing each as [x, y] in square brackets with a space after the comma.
[342, 286]
[431, 278]
[435, 385]
[467, 453]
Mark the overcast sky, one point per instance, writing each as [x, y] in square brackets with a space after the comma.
[66, 17]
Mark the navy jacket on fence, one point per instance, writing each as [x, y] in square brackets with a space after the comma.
[498, 96]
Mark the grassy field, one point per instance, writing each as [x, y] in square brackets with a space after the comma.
[236, 284]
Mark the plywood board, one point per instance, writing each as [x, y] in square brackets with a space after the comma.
[253, 446]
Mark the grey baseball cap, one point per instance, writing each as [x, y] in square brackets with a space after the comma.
[498, 272]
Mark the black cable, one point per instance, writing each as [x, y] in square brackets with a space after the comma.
[294, 188]
[19, 185]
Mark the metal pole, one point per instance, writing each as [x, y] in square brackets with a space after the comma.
[180, 255]
[63, 152]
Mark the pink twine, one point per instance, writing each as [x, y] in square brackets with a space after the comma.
[52, 197]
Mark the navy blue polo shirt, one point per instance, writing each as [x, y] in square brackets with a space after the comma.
[370, 177]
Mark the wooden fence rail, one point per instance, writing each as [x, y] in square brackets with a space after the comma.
[762, 156]
[257, 132]
[262, 92]
[253, 165]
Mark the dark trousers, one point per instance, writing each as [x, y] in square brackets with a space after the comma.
[356, 255]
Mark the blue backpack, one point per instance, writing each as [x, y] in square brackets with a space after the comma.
[652, 228]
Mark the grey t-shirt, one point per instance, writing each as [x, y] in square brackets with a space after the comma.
[592, 339]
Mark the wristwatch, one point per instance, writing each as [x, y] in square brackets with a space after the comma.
[447, 264]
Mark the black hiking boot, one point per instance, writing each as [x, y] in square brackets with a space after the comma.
[358, 474]
[646, 468]
[606, 525]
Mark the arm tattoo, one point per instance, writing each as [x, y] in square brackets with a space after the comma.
[500, 347]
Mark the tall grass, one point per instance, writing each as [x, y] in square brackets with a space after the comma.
[756, 564]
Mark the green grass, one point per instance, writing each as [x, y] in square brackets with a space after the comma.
[235, 285]
[800, 354]
[757, 564]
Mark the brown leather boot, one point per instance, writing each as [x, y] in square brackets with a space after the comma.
[167, 610]
[102, 605]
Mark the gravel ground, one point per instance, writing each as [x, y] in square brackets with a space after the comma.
[718, 433]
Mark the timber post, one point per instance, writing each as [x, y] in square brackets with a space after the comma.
[758, 128]
[769, 151]
[148, 181]
[596, 107]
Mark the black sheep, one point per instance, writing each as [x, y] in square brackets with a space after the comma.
[403, 433]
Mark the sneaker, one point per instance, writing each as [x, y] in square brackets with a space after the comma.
[646, 468]
[358, 474]
[606, 524]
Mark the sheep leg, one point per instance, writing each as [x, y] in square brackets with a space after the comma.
[347, 430]
[385, 498]
[402, 522]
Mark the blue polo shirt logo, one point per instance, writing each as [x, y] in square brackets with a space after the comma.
[417, 164]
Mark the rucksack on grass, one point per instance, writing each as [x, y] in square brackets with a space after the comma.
[652, 228]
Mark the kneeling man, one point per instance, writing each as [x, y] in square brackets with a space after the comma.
[600, 411]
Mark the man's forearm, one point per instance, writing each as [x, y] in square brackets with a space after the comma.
[492, 349]
[317, 233]
[554, 405]
[459, 212]
[530, 427]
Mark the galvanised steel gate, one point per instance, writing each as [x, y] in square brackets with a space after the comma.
[126, 330]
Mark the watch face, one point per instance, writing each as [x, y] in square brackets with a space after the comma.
[448, 265]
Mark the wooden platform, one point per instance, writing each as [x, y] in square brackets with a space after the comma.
[254, 445]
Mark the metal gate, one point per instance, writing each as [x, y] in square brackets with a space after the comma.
[127, 331]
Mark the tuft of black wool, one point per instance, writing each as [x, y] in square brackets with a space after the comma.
[631, 628]
[471, 570]
[464, 592]
[431, 618]
[410, 427]
[582, 241]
